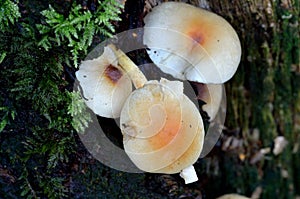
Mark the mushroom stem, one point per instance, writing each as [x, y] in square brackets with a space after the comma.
[137, 77]
[189, 175]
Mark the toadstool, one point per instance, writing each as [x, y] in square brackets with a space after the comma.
[162, 129]
[105, 84]
[193, 44]
[160, 125]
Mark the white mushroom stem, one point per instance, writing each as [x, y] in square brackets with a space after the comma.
[137, 77]
[189, 175]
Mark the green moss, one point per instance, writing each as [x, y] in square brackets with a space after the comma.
[36, 89]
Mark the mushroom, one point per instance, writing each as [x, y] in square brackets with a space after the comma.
[161, 126]
[232, 196]
[105, 84]
[193, 44]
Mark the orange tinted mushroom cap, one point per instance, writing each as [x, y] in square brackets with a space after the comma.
[191, 43]
[162, 129]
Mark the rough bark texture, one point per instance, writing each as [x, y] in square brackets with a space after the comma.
[263, 98]
[263, 101]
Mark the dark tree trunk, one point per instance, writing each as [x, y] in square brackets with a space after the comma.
[263, 97]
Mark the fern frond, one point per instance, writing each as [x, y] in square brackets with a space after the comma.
[77, 30]
[78, 111]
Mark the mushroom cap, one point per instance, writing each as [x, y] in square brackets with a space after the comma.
[193, 44]
[211, 94]
[105, 85]
[232, 196]
[162, 126]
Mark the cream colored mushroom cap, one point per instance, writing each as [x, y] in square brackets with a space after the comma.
[191, 43]
[162, 129]
[105, 85]
[232, 196]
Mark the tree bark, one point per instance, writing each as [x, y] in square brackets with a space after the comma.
[263, 102]
[263, 97]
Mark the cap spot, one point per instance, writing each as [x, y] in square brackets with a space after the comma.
[113, 73]
[197, 37]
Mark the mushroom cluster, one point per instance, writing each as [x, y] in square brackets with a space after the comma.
[162, 129]
[159, 123]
